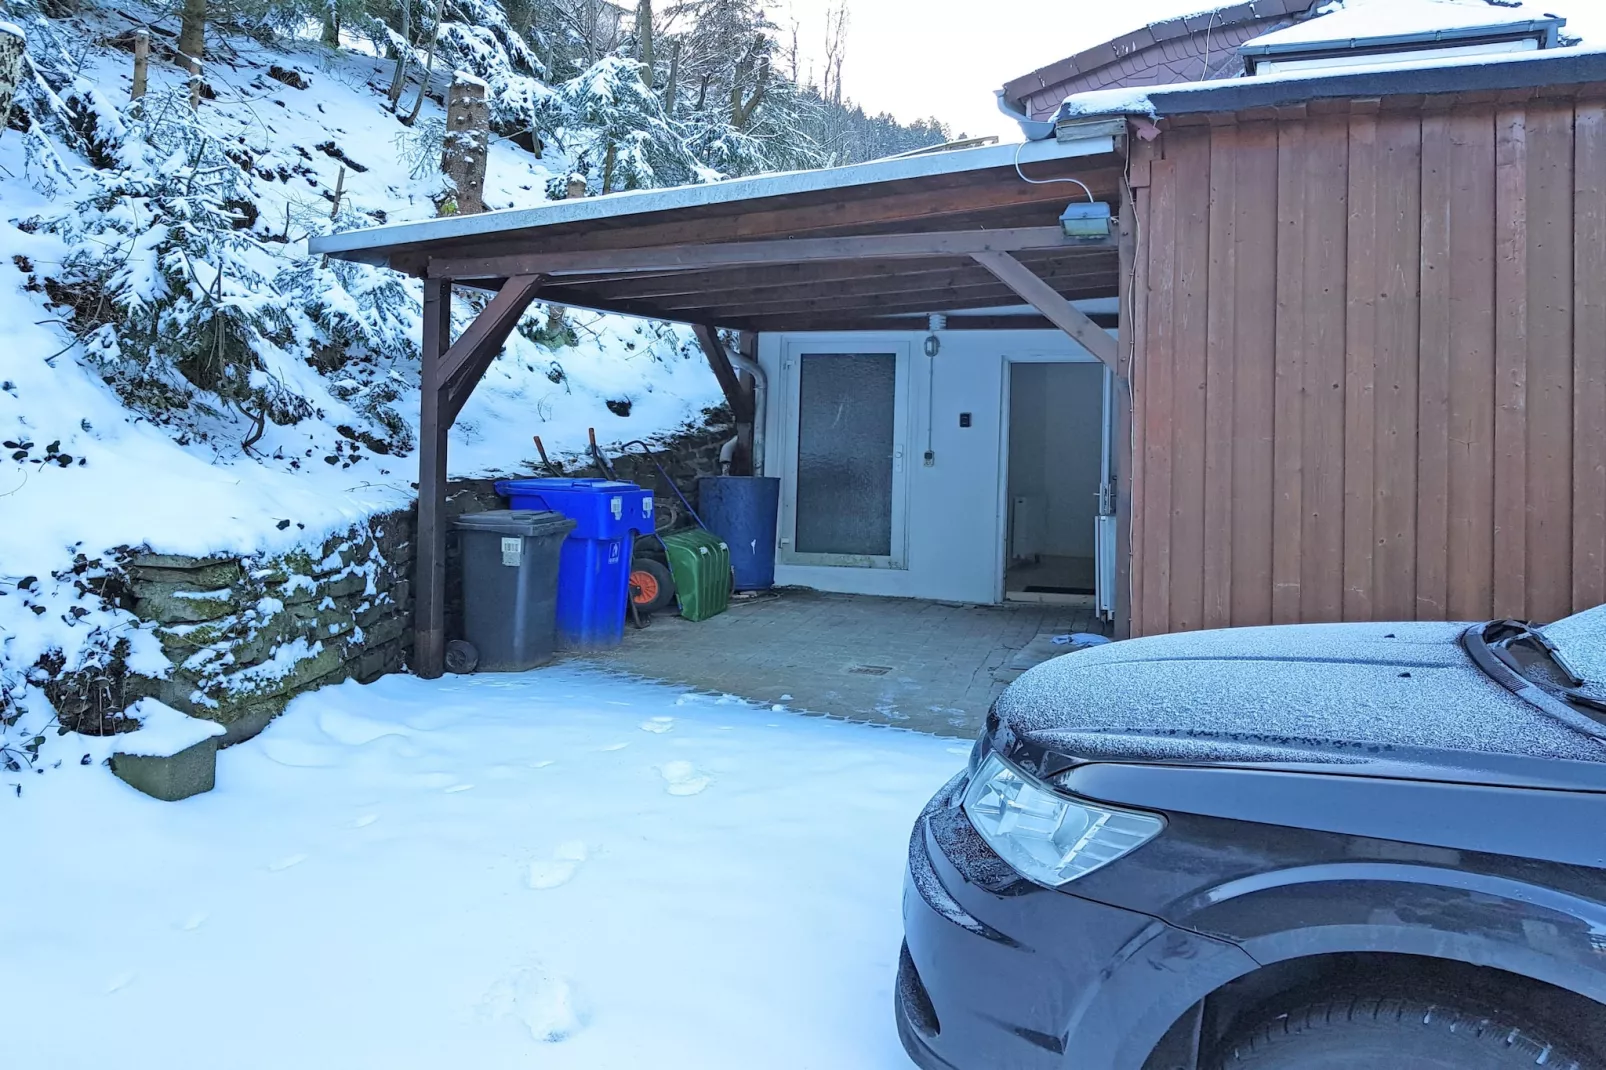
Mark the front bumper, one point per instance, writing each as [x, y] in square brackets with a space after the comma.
[998, 972]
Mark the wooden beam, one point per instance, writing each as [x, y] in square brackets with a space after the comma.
[775, 276]
[860, 322]
[971, 277]
[740, 401]
[464, 364]
[429, 607]
[949, 299]
[1041, 296]
[737, 254]
[797, 216]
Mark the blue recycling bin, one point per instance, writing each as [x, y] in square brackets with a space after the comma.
[594, 564]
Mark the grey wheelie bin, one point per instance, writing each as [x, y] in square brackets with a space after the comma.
[510, 589]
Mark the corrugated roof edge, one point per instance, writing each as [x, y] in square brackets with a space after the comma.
[640, 202]
[1549, 67]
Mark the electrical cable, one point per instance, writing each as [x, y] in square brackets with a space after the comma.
[1048, 181]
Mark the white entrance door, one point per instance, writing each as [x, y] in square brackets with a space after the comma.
[845, 460]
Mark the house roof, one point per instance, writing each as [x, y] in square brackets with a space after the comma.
[1112, 52]
[1404, 22]
[1552, 70]
[836, 249]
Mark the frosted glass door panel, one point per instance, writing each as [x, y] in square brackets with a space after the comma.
[846, 440]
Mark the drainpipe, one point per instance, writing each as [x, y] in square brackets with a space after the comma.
[760, 394]
[1034, 129]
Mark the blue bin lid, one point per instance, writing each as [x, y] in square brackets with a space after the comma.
[510, 487]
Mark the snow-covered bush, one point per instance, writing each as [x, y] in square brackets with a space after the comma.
[191, 316]
[615, 130]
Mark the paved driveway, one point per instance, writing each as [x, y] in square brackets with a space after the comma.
[930, 666]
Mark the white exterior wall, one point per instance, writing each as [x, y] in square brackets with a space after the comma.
[955, 509]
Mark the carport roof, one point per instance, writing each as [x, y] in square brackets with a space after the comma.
[841, 248]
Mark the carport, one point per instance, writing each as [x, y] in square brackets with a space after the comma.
[974, 234]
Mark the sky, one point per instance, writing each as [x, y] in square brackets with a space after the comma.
[918, 58]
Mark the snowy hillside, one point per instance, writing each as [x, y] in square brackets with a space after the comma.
[178, 374]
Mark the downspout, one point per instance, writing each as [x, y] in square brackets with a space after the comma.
[760, 394]
[1033, 129]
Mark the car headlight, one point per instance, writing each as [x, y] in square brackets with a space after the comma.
[1045, 836]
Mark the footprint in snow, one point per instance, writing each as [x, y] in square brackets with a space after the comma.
[560, 868]
[682, 778]
[658, 725]
[455, 788]
[613, 747]
[545, 1003]
[541, 764]
[364, 821]
[286, 863]
[120, 982]
[193, 922]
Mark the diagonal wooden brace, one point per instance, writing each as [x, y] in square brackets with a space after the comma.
[1043, 297]
[465, 362]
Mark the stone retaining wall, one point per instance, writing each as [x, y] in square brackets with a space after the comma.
[247, 634]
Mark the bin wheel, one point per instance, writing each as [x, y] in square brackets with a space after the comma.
[651, 585]
[462, 657]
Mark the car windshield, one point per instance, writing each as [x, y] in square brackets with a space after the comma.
[1581, 639]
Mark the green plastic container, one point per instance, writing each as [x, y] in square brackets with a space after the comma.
[701, 565]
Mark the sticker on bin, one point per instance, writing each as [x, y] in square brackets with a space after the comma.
[512, 551]
[616, 505]
[613, 554]
[646, 507]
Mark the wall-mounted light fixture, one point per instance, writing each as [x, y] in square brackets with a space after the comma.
[1086, 221]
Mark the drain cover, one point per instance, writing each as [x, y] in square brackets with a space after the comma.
[869, 670]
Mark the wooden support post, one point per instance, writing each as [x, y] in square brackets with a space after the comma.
[142, 62]
[429, 617]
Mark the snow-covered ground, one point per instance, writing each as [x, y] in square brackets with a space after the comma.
[556, 869]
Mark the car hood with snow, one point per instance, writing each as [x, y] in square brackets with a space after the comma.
[1373, 699]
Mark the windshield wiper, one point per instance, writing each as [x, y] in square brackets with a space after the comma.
[1523, 661]
[1518, 639]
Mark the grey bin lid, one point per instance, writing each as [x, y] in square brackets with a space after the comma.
[515, 522]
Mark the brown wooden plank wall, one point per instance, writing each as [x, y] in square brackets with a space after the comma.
[1369, 368]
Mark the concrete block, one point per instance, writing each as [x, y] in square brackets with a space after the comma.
[191, 771]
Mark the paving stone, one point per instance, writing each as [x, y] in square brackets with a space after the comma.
[941, 656]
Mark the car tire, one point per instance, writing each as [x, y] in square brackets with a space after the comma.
[651, 586]
[1385, 1033]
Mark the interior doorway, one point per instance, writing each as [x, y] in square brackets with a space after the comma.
[1058, 466]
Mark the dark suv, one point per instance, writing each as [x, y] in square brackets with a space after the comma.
[1316, 847]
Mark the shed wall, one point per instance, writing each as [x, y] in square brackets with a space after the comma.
[1370, 375]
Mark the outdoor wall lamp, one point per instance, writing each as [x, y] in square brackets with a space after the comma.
[1086, 221]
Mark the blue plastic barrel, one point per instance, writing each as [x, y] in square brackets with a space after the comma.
[594, 564]
[742, 510]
